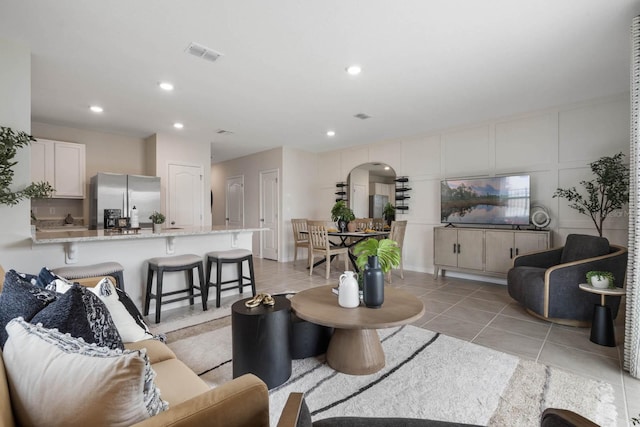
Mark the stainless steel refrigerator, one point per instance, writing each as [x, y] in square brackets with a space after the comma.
[376, 205]
[118, 191]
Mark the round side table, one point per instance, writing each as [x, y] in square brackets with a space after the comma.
[602, 331]
[260, 341]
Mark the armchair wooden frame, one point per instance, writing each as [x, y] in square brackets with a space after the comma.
[319, 242]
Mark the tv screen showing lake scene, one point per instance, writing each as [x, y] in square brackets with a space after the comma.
[500, 200]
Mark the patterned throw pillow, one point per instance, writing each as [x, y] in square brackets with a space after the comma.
[58, 380]
[20, 297]
[81, 314]
[125, 314]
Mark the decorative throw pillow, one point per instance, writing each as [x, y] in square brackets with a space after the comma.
[20, 297]
[58, 380]
[81, 314]
[123, 311]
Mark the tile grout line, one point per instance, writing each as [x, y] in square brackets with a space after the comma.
[546, 337]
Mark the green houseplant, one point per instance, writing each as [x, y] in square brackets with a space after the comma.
[389, 213]
[342, 214]
[605, 277]
[10, 141]
[387, 251]
[157, 218]
[608, 191]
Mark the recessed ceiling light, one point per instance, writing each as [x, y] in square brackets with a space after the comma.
[96, 109]
[354, 70]
[387, 168]
[178, 125]
[166, 86]
[331, 133]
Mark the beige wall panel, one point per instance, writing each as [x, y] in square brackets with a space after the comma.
[389, 153]
[421, 157]
[524, 142]
[353, 158]
[543, 185]
[424, 204]
[593, 131]
[329, 168]
[466, 152]
[568, 178]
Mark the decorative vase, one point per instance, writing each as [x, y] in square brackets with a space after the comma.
[348, 293]
[373, 286]
[599, 282]
[157, 228]
[342, 225]
[351, 226]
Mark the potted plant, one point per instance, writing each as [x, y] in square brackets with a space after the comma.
[608, 191]
[342, 214]
[375, 258]
[10, 141]
[157, 219]
[389, 213]
[601, 279]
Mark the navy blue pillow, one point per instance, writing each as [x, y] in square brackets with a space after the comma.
[81, 314]
[20, 297]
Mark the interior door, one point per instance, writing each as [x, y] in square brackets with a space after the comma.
[185, 196]
[360, 201]
[269, 214]
[235, 201]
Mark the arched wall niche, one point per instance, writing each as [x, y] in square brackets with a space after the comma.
[370, 186]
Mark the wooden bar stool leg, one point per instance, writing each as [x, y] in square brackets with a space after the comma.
[204, 288]
[147, 298]
[159, 274]
[240, 279]
[218, 281]
[190, 284]
[252, 276]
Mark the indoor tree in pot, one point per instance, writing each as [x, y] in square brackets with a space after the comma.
[389, 213]
[10, 141]
[342, 214]
[375, 258]
[608, 191]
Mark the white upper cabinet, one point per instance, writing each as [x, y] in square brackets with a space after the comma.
[62, 164]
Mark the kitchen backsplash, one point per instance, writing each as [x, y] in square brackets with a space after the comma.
[54, 209]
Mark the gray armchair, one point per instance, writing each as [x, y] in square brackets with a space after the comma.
[546, 282]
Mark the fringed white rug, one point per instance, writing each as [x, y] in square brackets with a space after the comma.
[427, 375]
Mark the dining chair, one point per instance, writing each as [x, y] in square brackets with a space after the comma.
[378, 224]
[300, 239]
[363, 223]
[319, 243]
[396, 234]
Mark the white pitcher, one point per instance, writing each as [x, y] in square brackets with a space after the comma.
[348, 294]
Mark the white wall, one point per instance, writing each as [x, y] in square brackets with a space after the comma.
[249, 167]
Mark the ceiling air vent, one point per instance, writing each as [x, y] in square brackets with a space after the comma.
[362, 116]
[224, 132]
[200, 51]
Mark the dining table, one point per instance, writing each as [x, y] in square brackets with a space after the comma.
[349, 239]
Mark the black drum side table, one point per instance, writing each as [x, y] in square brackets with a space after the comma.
[602, 331]
[260, 341]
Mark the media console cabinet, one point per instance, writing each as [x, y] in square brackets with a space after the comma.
[487, 251]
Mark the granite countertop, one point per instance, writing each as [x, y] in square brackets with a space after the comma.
[145, 233]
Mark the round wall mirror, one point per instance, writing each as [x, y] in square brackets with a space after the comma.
[370, 187]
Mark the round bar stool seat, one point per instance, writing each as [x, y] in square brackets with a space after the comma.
[113, 269]
[234, 256]
[185, 263]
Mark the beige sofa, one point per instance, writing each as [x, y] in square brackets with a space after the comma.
[243, 401]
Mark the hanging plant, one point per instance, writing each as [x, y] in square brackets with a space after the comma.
[10, 142]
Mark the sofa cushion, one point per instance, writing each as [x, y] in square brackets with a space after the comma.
[6, 412]
[20, 297]
[177, 382]
[582, 246]
[81, 314]
[157, 351]
[57, 380]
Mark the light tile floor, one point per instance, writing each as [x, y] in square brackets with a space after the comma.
[482, 313]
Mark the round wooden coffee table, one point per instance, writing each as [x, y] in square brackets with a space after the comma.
[355, 345]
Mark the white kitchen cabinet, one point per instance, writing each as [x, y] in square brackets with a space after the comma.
[483, 251]
[62, 164]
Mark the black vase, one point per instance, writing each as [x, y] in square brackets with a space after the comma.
[373, 286]
[342, 225]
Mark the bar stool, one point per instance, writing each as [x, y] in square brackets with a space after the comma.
[184, 263]
[234, 256]
[113, 269]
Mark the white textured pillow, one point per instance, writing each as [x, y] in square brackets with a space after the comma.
[129, 329]
[58, 380]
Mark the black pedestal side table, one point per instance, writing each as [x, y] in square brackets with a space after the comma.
[260, 341]
[602, 331]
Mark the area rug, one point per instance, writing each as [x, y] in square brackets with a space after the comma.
[427, 375]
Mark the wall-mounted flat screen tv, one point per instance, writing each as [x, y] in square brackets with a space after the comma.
[500, 200]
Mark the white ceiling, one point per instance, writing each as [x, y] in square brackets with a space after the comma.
[427, 65]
